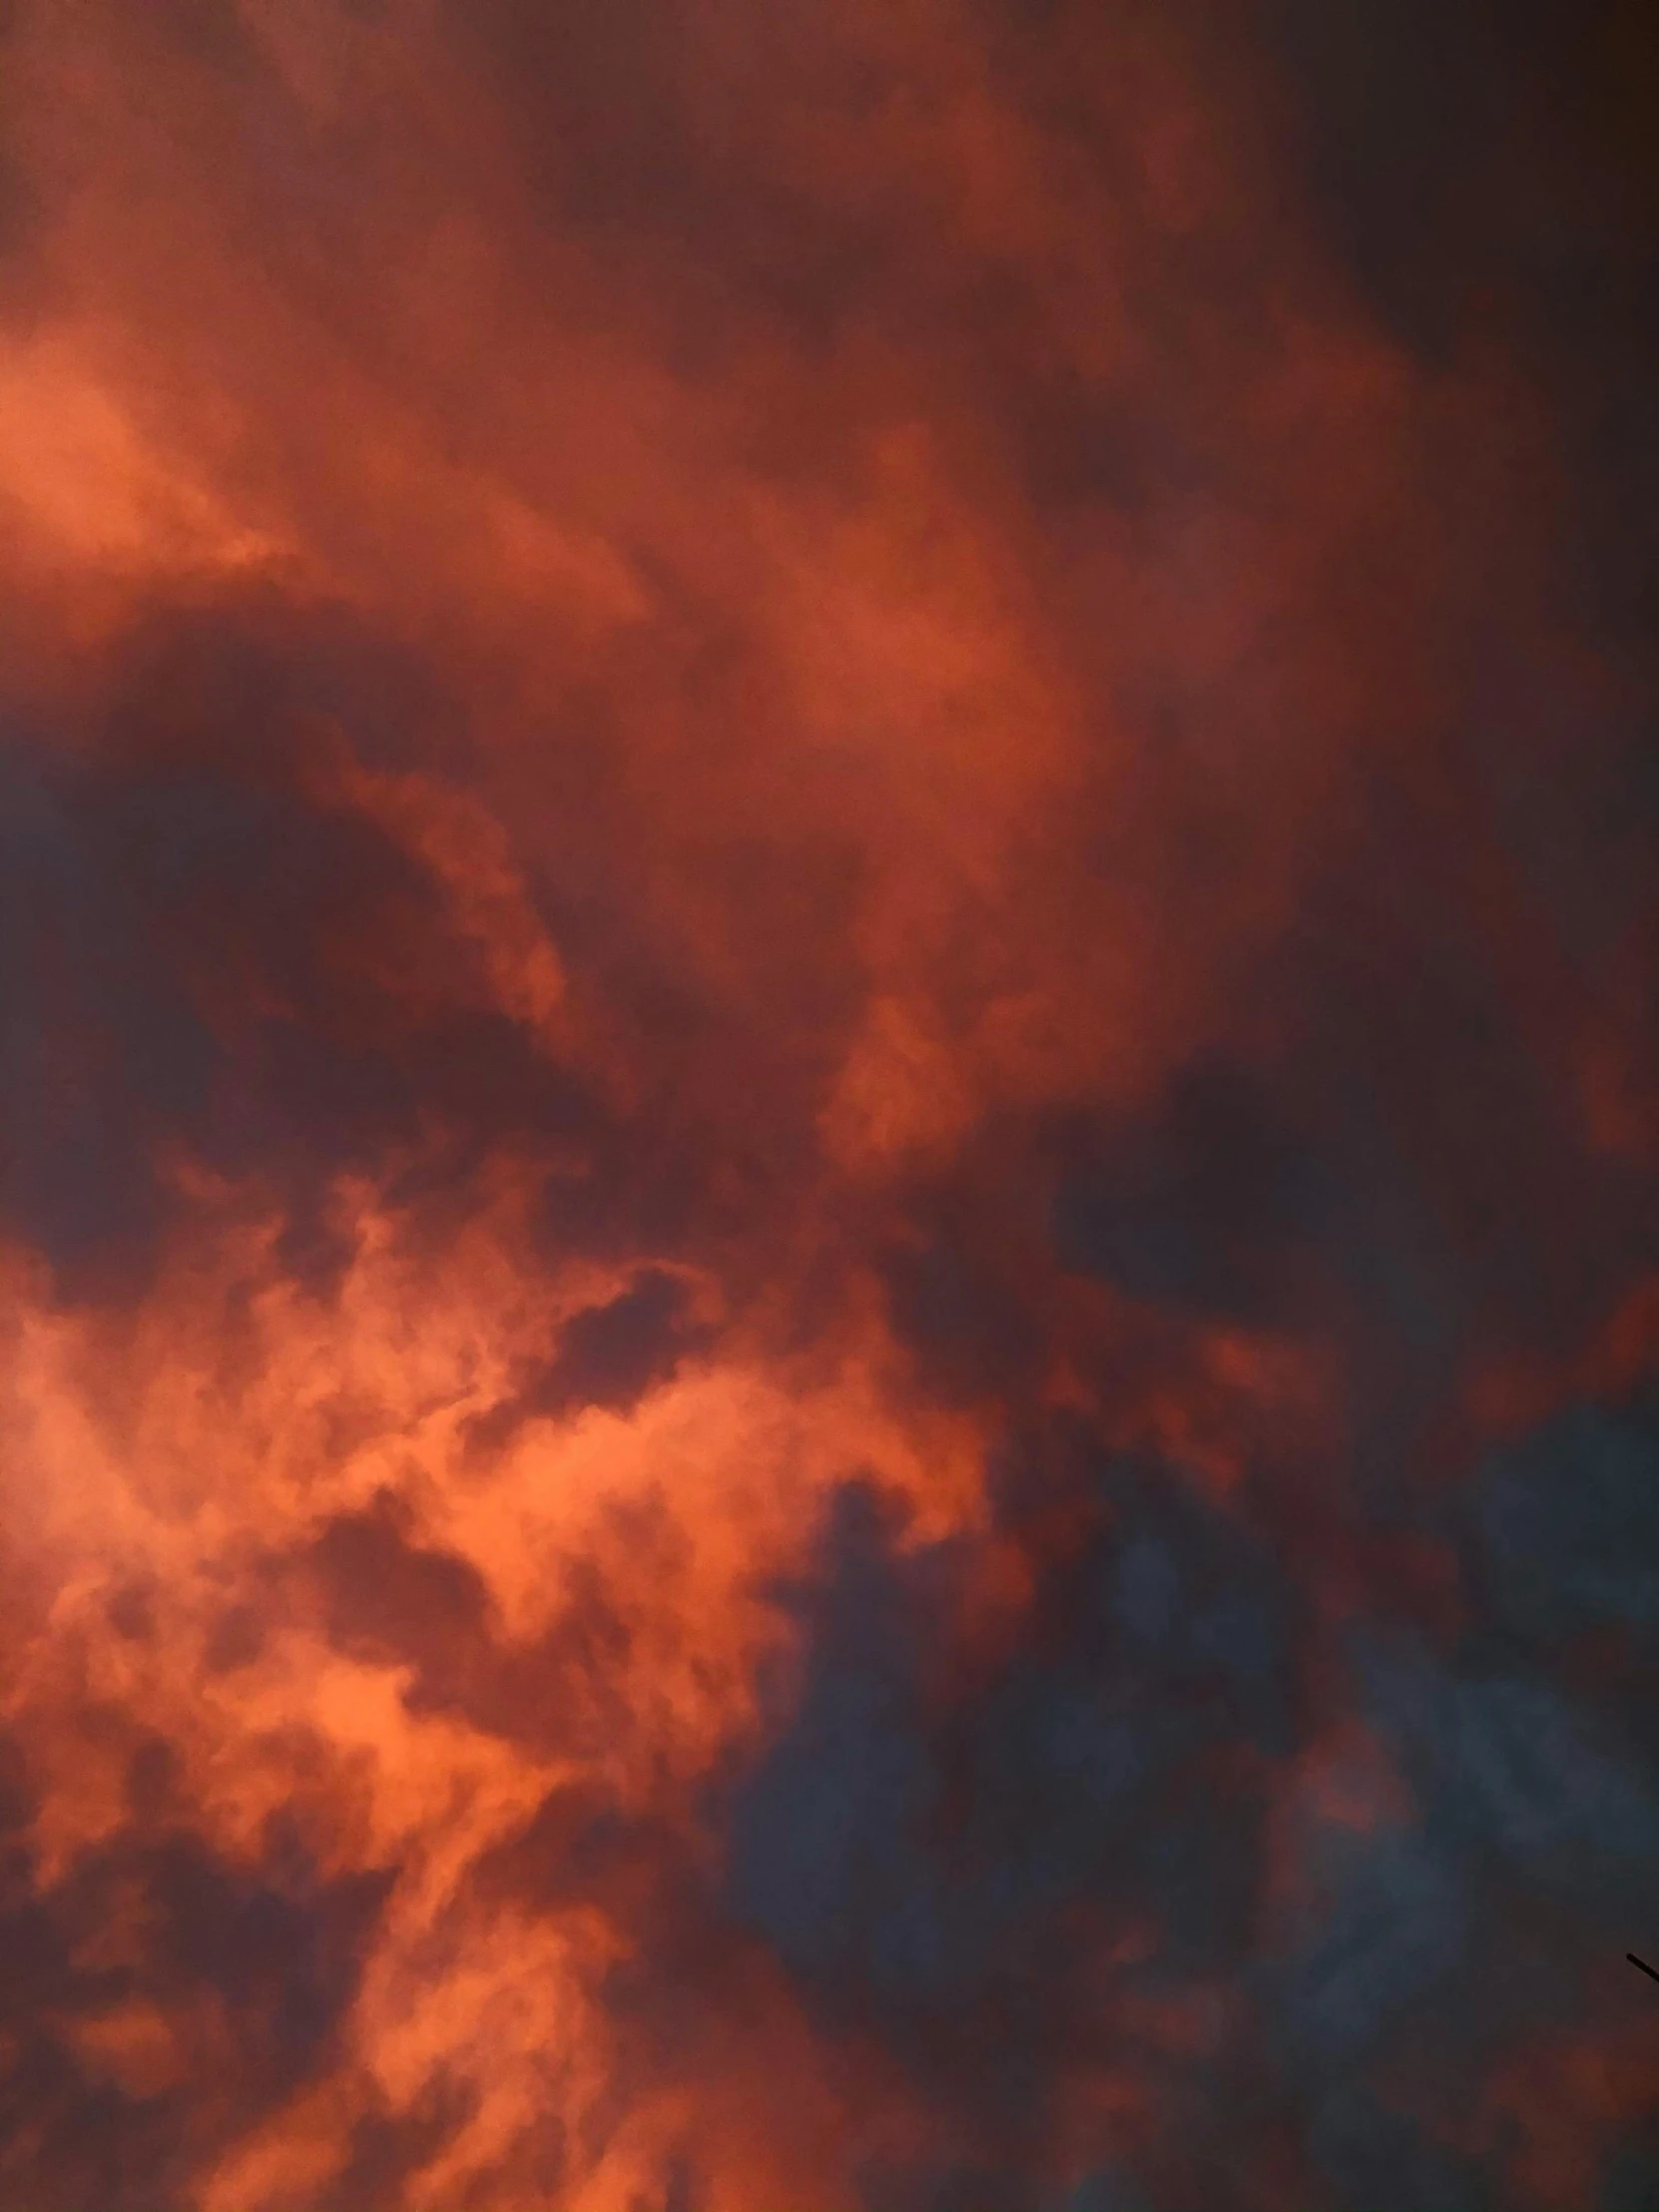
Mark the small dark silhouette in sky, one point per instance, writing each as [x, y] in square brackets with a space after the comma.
[1651, 1973]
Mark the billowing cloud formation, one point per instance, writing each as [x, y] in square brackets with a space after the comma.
[828, 1184]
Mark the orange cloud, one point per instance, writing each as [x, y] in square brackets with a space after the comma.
[823, 989]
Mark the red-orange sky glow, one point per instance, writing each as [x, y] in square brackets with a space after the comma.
[829, 1107]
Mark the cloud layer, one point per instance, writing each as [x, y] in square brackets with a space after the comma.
[827, 1193]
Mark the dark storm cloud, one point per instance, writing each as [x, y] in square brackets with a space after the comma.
[191, 925]
[389, 1596]
[1372, 2155]
[1564, 1531]
[1384, 1159]
[1489, 168]
[1203, 1205]
[947, 1872]
[1420, 124]
[1401, 104]
[609, 1356]
[950, 1297]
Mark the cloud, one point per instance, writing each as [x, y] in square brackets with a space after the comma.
[826, 1187]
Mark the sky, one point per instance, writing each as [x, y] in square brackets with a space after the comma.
[829, 1106]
